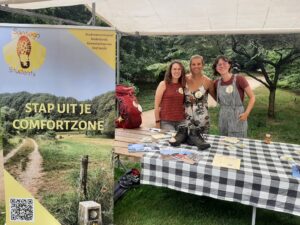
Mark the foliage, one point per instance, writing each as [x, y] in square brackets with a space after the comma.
[145, 59]
[78, 13]
[208, 210]
[99, 190]
[13, 107]
[146, 95]
[109, 125]
[291, 77]
[129, 84]
[18, 162]
[63, 157]
[50, 134]
[157, 69]
[2, 210]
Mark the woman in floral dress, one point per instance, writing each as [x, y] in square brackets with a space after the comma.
[196, 95]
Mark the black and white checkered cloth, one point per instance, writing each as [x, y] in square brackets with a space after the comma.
[263, 180]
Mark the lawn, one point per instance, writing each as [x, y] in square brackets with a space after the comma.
[2, 214]
[150, 205]
[18, 163]
[146, 96]
[61, 166]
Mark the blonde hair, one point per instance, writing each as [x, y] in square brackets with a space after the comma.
[197, 57]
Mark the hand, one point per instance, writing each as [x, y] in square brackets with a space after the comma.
[188, 77]
[243, 116]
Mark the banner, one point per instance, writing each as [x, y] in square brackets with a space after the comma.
[57, 116]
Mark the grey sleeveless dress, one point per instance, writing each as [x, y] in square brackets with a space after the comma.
[231, 106]
[196, 109]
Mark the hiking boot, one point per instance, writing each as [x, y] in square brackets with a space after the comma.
[196, 138]
[180, 136]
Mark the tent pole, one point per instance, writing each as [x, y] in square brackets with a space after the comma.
[94, 13]
[119, 35]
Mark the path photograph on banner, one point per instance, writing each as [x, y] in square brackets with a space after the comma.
[57, 114]
[218, 141]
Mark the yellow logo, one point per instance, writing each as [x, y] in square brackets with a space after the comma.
[24, 54]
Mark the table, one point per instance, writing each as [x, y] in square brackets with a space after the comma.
[263, 180]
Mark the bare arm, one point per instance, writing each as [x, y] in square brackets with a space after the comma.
[158, 97]
[250, 105]
[211, 89]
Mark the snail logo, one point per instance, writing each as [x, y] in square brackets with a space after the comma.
[24, 54]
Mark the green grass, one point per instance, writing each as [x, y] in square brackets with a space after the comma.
[149, 205]
[146, 95]
[2, 216]
[12, 143]
[61, 164]
[283, 129]
[18, 163]
[66, 153]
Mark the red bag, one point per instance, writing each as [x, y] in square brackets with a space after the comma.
[129, 109]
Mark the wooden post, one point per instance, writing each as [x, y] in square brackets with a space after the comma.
[89, 213]
[83, 175]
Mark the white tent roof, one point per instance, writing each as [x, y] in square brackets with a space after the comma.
[155, 17]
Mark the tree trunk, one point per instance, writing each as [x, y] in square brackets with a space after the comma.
[271, 109]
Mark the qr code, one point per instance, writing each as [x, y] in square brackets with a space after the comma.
[21, 209]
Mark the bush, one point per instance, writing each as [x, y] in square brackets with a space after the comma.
[109, 125]
[50, 134]
[99, 189]
[129, 84]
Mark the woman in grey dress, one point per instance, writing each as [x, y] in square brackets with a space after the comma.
[230, 89]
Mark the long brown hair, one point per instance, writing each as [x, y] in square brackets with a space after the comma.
[168, 74]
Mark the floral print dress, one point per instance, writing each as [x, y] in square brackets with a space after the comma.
[196, 109]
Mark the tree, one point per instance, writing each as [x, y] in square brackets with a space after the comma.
[8, 115]
[271, 55]
[78, 13]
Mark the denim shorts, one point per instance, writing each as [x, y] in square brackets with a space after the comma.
[171, 125]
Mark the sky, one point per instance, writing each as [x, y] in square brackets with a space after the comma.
[70, 69]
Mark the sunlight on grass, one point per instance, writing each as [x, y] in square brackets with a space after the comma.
[61, 165]
[150, 205]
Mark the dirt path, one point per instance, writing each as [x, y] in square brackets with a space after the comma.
[13, 152]
[148, 116]
[31, 177]
[2, 161]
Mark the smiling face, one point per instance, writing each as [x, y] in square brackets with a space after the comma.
[176, 71]
[222, 67]
[196, 65]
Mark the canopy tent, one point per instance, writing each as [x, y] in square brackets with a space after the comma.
[169, 17]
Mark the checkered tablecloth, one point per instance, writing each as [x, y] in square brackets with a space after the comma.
[263, 180]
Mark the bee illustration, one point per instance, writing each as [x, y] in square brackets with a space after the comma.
[23, 51]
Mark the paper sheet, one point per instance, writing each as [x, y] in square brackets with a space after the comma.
[159, 136]
[226, 161]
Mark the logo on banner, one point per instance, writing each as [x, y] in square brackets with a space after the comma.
[24, 54]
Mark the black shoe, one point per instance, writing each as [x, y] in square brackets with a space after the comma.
[180, 136]
[196, 138]
[130, 179]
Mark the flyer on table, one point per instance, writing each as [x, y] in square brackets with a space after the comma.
[57, 124]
